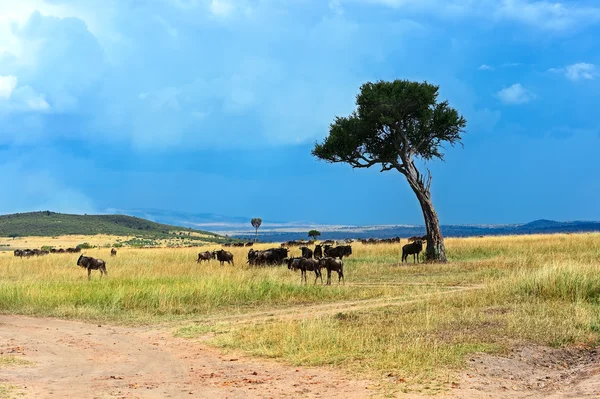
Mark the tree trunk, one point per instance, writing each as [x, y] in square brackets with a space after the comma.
[256, 235]
[435, 251]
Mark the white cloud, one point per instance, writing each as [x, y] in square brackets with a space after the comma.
[7, 85]
[541, 14]
[515, 94]
[221, 8]
[336, 7]
[20, 98]
[485, 67]
[581, 70]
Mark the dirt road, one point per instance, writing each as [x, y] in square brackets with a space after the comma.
[80, 360]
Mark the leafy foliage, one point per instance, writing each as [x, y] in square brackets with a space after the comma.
[256, 222]
[314, 234]
[394, 122]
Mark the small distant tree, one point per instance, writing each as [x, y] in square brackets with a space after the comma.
[256, 222]
[13, 236]
[314, 234]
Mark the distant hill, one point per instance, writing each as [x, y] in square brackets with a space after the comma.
[53, 224]
[404, 231]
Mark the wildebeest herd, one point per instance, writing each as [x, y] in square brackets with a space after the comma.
[41, 252]
[323, 256]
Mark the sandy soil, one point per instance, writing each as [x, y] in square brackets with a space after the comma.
[81, 360]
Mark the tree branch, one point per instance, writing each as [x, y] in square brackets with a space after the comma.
[387, 167]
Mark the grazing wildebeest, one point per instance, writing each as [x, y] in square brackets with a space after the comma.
[318, 252]
[249, 244]
[113, 252]
[271, 256]
[61, 251]
[18, 253]
[223, 256]
[305, 265]
[335, 265]
[27, 253]
[90, 264]
[412, 249]
[337, 252]
[204, 256]
[306, 252]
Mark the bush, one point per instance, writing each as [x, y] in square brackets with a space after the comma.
[85, 245]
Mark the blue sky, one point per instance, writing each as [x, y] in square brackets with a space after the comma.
[214, 105]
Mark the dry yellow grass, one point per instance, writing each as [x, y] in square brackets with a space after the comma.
[531, 289]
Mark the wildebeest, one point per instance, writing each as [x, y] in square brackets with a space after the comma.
[18, 253]
[73, 250]
[335, 265]
[113, 252]
[318, 252]
[271, 256]
[412, 249]
[223, 256]
[27, 253]
[305, 265]
[306, 252]
[249, 244]
[90, 264]
[207, 256]
[337, 252]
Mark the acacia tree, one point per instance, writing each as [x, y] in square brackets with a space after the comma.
[396, 123]
[256, 222]
[314, 234]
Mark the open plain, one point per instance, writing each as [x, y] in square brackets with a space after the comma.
[514, 316]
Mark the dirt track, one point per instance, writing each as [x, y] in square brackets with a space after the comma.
[79, 360]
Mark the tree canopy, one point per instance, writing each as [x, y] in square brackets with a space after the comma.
[393, 123]
[314, 234]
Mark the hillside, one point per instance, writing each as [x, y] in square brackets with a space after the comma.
[53, 224]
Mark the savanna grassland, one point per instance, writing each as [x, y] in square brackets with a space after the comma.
[419, 323]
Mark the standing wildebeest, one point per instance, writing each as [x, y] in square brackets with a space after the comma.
[335, 265]
[113, 252]
[207, 256]
[223, 256]
[306, 252]
[337, 252]
[305, 265]
[318, 252]
[90, 264]
[18, 253]
[412, 249]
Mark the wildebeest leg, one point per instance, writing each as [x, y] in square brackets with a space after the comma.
[341, 277]
[89, 274]
[328, 276]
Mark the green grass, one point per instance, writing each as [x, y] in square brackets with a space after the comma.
[11, 361]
